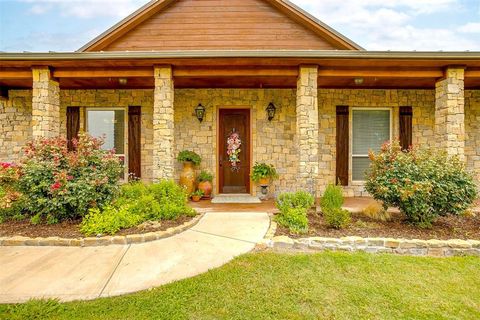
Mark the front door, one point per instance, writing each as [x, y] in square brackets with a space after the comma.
[234, 151]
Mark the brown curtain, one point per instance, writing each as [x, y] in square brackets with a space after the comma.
[406, 115]
[73, 125]
[342, 145]
[134, 142]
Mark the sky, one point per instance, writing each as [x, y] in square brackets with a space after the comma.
[422, 25]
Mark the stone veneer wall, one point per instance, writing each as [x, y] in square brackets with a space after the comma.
[422, 101]
[273, 142]
[15, 123]
[117, 99]
[472, 132]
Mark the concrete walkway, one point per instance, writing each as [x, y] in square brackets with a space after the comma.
[70, 273]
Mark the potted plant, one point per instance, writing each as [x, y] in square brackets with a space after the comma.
[263, 173]
[197, 195]
[187, 176]
[204, 180]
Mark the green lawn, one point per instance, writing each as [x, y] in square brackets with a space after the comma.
[274, 286]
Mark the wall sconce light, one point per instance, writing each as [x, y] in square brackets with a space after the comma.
[123, 81]
[358, 81]
[200, 112]
[271, 109]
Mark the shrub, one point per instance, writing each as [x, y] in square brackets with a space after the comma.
[295, 219]
[12, 202]
[294, 210]
[136, 204]
[109, 220]
[59, 184]
[263, 171]
[332, 198]
[299, 199]
[376, 211]
[331, 204]
[337, 218]
[422, 183]
[205, 176]
[190, 156]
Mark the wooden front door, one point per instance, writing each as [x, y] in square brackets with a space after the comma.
[234, 130]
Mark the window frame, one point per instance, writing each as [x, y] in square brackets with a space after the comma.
[352, 155]
[125, 133]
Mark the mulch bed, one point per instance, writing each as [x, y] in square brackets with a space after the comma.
[70, 229]
[443, 229]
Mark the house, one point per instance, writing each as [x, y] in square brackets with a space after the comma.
[187, 74]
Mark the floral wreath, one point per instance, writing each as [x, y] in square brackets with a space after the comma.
[233, 149]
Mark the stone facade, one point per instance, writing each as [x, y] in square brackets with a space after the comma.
[272, 142]
[15, 123]
[472, 130]
[86, 99]
[163, 124]
[422, 102]
[45, 104]
[450, 113]
[307, 128]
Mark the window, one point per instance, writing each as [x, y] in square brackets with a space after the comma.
[370, 129]
[110, 125]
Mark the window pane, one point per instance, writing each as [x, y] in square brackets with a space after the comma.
[109, 124]
[359, 167]
[371, 128]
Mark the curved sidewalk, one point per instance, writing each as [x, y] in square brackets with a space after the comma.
[70, 273]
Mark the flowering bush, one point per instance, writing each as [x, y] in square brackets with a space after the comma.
[422, 183]
[59, 184]
[11, 203]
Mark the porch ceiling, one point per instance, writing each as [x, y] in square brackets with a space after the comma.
[241, 69]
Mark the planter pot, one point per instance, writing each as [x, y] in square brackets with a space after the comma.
[196, 198]
[187, 177]
[264, 182]
[206, 187]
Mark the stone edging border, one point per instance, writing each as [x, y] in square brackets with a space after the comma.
[435, 248]
[98, 241]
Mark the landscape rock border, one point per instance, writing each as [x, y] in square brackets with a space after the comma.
[98, 241]
[415, 247]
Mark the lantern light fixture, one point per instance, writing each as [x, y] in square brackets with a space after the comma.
[200, 112]
[271, 109]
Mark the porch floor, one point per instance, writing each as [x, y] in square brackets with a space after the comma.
[353, 204]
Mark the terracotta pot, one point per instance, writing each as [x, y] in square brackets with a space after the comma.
[196, 198]
[187, 177]
[206, 187]
[264, 182]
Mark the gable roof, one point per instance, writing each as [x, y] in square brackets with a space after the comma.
[301, 18]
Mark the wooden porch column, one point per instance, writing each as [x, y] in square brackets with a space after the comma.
[450, 112]
[45, 104]
[163, 124]
[307, 128]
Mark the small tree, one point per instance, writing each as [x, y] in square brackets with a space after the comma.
[422, 183]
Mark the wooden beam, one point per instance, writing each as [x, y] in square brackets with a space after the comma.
[103, 72]
[381, 73]
[472, 73]
[234, 72]
[6, 74]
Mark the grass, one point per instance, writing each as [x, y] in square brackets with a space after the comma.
[275, 286]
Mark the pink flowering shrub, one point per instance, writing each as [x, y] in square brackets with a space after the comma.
[11, 204]
[59, 184]
[422, 183]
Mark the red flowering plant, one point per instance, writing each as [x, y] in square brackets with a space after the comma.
[10, 199]
[422, 183]
[60, 184]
